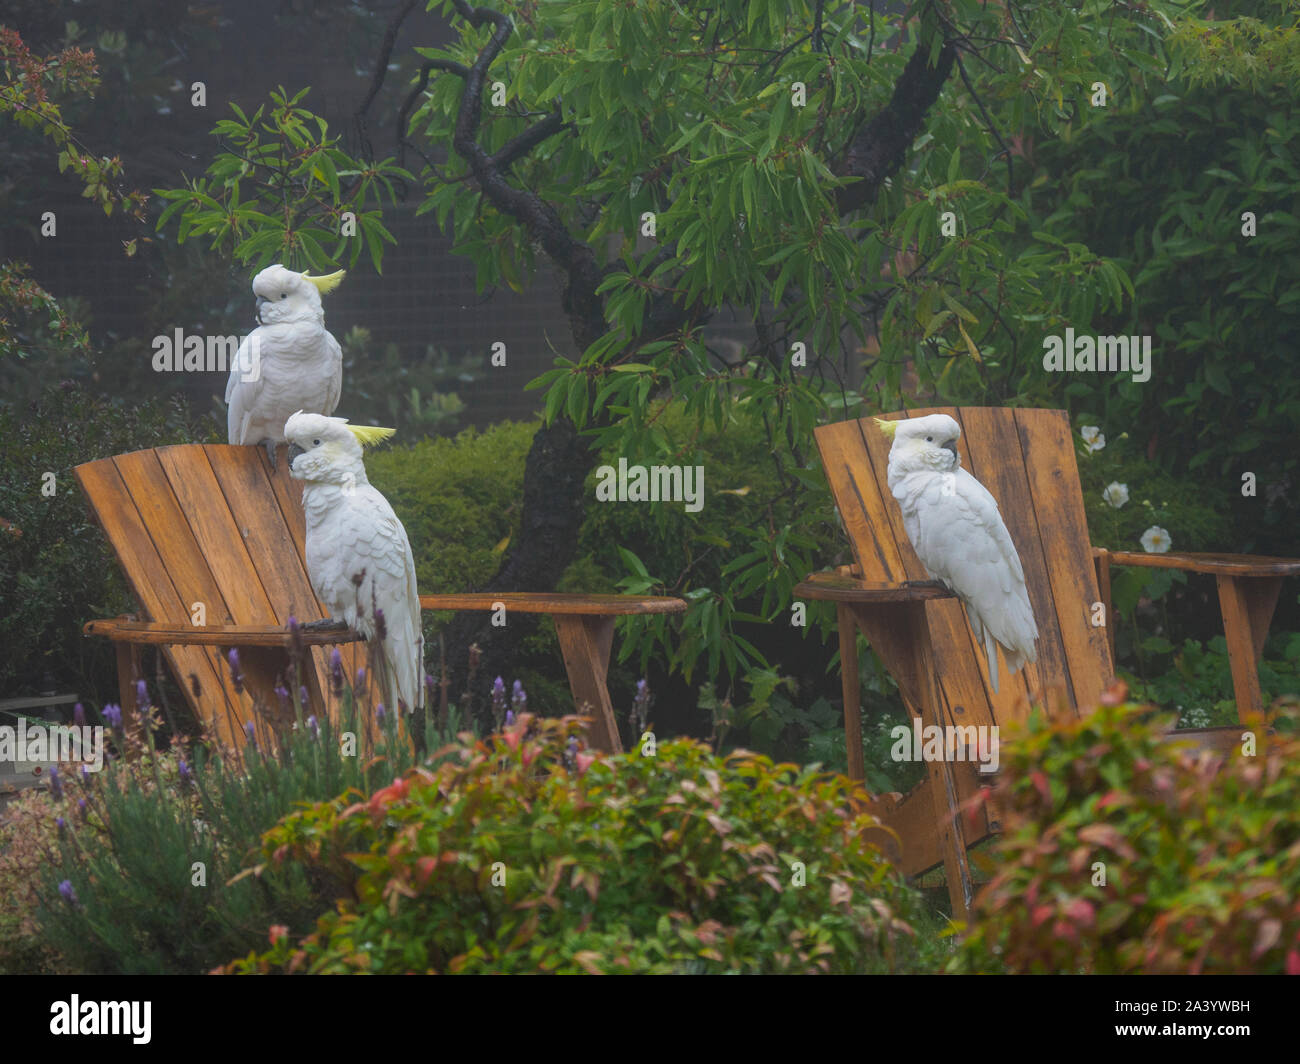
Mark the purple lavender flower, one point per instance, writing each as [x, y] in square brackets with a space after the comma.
[82, 808]
[85, 774]
[313, 726]
[510, 718]
[498, 700]
[282, 696]
[235, 675]
[113, 714]
[61, 824]
[303, 699]
[518, 697]
[56, 783]
[361, 677]
[380, 714]
[79, 715]
[183, 770]
[249, 731]
[67, 892]
[142, 694]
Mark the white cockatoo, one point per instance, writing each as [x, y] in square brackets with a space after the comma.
[289, 362]
[959, 535]
[358, 557]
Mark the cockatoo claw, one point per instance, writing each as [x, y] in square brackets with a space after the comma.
[270, 451]
[325, 624]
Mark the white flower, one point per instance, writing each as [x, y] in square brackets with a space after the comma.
[1092, 437]
[1116, 494]
[1155, 540]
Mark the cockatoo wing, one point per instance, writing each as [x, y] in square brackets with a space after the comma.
[961, 539]
[241, 394]
[373, 540]
[335, 360]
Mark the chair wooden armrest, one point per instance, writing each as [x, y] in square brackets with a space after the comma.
[584, 625]
[830, 586]
[1249, 586]
[565, 604]
[126, 630]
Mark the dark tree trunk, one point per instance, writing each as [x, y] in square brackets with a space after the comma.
[554, 473]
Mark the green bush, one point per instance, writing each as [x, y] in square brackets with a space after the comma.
[56, 569]
[1199, 855]
[1162, 190]
[523, 853]
[143, 878]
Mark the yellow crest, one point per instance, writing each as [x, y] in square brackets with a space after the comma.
[368, 435]
[887, 427]
[326, 283]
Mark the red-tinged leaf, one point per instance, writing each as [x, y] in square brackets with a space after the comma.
[1064, 930]
[718, 824]
[1039, 780]
[1041, 914]
[1109, 836]
[1081, 911]
[424, 869]
[1293, 962]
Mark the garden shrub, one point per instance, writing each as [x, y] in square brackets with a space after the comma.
[56, 569]
[27, 831]
[524, 853]
[143, 875]
[1201, 852]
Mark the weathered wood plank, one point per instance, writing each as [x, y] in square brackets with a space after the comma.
[115, 510]
[1227, 564]
[581, 640]
[1048, 446]
[554, 603]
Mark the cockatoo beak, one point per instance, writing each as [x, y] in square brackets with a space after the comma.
[257, 314]
[294, 452]
[951, 445]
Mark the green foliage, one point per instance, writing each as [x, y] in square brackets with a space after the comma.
[523, 853]
[415, 396]
[1162, 189]
[27, 833]
[142, 904]
[459, 499]
[1194, 513]
[56, 570]
[735, 561]
[1201, 854]
[1196, 679]
[280, 190]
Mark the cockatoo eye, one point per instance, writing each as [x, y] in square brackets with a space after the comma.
[929, 439]
[284, 295]
[315, 443]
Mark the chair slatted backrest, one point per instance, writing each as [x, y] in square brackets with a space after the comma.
[1026, 460]
[212, 524]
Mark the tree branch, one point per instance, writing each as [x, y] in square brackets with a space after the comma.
[877, 150]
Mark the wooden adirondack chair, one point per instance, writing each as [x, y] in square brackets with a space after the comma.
[212, 543]
[1026, 459]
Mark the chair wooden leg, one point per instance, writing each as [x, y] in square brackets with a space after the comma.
[851, 691]
[943, 781]
[129, 672]
[585, 642]
[1247, 604]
